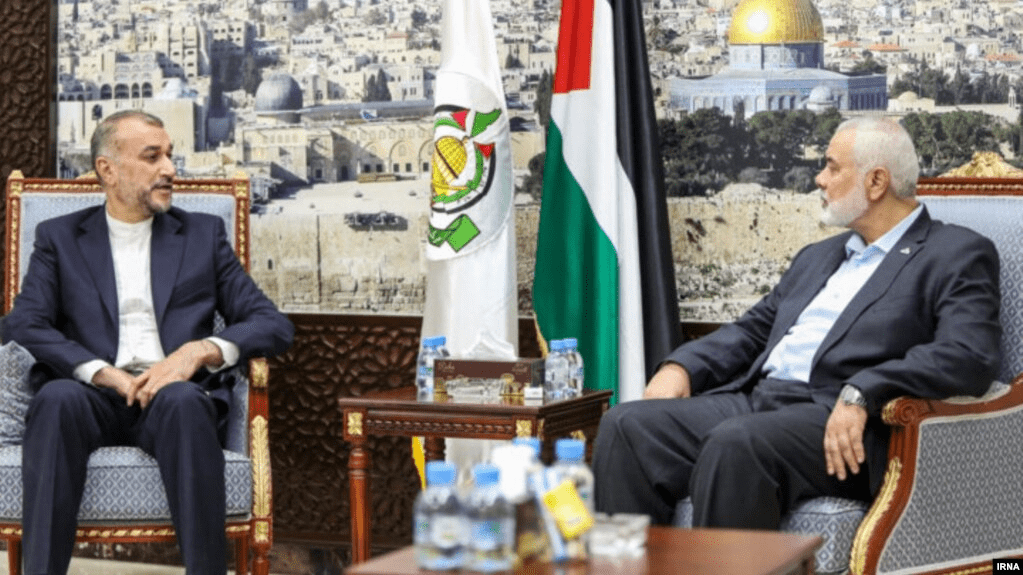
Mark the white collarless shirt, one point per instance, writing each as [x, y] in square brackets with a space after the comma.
[138, 339]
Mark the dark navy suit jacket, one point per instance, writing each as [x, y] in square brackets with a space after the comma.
[925, 325]
[66, 312]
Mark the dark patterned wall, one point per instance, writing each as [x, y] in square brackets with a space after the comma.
[26, 88]
[333, 356]
[336, 355]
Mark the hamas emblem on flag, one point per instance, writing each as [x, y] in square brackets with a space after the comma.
[463, 171]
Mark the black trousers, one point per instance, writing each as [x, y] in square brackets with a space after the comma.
[745, 459]
[67, 421]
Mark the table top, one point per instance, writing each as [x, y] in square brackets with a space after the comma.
[405, 398]
[669, 550]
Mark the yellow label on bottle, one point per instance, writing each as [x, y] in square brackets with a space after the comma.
[568, 509]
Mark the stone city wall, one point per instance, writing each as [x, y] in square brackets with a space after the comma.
[728, 250]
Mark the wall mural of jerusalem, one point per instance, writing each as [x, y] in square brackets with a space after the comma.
[327, 106]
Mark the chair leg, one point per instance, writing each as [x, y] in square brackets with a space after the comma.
[14, 556]
[241, 556]
[260, 559]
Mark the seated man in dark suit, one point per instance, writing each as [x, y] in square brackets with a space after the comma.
[117, 307]
[783, 404]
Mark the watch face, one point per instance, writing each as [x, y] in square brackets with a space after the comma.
[851, 396]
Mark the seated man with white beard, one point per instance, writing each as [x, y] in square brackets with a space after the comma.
[784, 404]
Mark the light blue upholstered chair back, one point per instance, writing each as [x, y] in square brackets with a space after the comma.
[1000, 218]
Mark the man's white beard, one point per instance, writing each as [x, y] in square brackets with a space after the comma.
[846, 210]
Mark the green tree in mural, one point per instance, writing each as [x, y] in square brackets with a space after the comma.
[251, 75]
[926, 83]
[945, 141]
[542, 104]
[376, 88]
[867, 66]
[532, 184]
[701, 151]
[778, 139]
[824, 128]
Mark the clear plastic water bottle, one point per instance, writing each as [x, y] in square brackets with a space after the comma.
[491, 523]
[555, 368]
[441, 528]
[433, 348]
[570, 464]
[533, 443]
[575, 367]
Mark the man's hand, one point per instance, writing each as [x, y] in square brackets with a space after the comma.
[114, 378]
[178, 366]
[843, 439]
[671, 381]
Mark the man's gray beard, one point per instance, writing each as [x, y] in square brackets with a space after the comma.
[840, 214]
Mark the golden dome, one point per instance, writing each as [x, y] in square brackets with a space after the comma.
[775, 22]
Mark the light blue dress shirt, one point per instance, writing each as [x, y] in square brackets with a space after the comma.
[792, 357]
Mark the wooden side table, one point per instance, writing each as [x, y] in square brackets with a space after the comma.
[396, 412]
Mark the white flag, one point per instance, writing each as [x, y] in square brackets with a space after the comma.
[471, 286]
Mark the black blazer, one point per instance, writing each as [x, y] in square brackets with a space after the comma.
[925, 325]
[67, 311]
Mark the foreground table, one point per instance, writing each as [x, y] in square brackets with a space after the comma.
[669, 551]
[396, 412]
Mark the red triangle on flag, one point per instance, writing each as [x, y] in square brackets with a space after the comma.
[460, 117]
[485, 149]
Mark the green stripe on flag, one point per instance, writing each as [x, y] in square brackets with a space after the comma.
[575, 287]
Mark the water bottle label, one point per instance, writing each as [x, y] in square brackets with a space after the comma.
[489, 535]
[426, 370]
[569, 510]
[447, 532]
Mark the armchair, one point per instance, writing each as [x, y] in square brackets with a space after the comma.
[952, 498]
[124, 500]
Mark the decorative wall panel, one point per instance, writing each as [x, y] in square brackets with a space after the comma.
[336, 355]
[26, 88]
[333, 356]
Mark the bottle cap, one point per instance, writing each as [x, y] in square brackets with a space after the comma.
[486, 475]
[532, 442]
[571, 343]
[556, 345]
[434, 341]
[569, 449]
[440, 473]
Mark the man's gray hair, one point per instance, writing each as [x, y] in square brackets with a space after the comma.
[884, 143]
[103, 137]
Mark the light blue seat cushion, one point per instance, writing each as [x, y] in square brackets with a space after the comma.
[123, 484]
[834, 519]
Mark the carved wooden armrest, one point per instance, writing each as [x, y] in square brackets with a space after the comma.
[906, 415]
[909, 411]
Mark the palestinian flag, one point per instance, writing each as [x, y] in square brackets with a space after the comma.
[604, 273]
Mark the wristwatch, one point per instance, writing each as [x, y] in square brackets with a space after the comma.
[852, 396]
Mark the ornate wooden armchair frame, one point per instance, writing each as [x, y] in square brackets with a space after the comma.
[952, 497]
[248, 531]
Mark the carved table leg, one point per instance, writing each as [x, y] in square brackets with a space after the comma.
[433, 448]
[358, 489]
